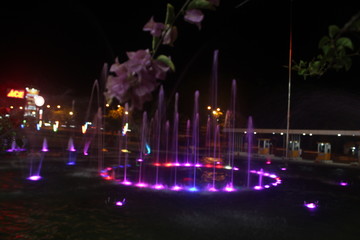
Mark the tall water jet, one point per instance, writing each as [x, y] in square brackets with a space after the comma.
[97, 123]
[125, 149]
[216, 156]
[249, 134]
[214, 81]
[142, 149]
[231, 134]
[195, 137]
[187, 151]
[167, 129]
[159, 118]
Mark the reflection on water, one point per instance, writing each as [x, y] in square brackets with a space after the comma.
[74, 203]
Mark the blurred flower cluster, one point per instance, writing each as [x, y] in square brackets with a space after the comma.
[134, 80]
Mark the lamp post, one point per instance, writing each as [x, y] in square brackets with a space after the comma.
[289, 88]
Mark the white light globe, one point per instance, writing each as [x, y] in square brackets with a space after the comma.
[39, 101]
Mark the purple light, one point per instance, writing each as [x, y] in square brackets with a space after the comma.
[120, 203]
[212, 189]
[71, 163]
[198, 165]
[176, 188]
[267, 186]
[258, 187]
[140, 160]
[236, 169]
[344, 183]
[159, 186]
[44, 150]
[311, 205]
[85, 153]
[141, 185]
[34, 178]
[177, 164]
[283, 169]
[229, 188]
[187, 165]
[126, 182]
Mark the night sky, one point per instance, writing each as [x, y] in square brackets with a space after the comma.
[61, 49]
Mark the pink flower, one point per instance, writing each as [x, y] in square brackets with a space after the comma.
[194, 16]
[155, 28]
[134, 80]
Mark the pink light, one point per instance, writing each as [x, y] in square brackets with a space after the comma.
[177, 164]
[85, 153]
[236, 168]
[212, 189]
[44, 150]
[311, 205]
[120, 203]
[258, 187]
[343, 183]
[140, 160]
[198, 165]
[187, 165]
[159, 186]
[141, 185]
[267, 186]
[268, 162]
[283, 169]
[176, 188]
[126, 182]
[229, 189]
[157, 164]
[208, 165]
[109, 168]
[34, 178]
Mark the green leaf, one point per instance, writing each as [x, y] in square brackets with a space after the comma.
[170, 14]
[167, 61]
[333, 30]
[155, 42]
[345, 42]
[324, 41]
[200, 4]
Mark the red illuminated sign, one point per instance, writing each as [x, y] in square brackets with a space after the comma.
[13, 93]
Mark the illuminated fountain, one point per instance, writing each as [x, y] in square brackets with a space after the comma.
[45, 146]
[178, 160]
[190, 168]
[72, 152]
[36, 162]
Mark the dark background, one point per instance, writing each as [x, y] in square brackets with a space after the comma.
[61, 49]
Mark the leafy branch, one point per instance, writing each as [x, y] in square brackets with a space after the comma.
[337, 50]
[134, 80]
